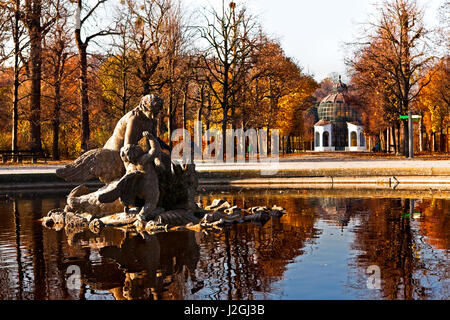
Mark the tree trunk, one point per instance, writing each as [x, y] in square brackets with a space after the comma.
[125, 94]
[198, 140]
[170, 115]
[185, 97]
[224, 133]
[288, 146]
[421, 133]
[225, 104]
[55, 142]
[146, 87]
[35, 61]
[84, 98]
[55, 121]
[388, 140]
[207, 125]
[433, 141]
[394, 140]
[15, 115]
[405, 138]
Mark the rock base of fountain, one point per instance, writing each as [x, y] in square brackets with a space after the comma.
[216, 216]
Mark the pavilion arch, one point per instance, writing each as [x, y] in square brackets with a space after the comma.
[356, 138]
[353, 139]
[323, 136]
[326, 139]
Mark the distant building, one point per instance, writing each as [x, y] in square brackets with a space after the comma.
[339, 126]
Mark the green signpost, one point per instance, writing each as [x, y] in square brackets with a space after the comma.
[415, 117]
[411, 118]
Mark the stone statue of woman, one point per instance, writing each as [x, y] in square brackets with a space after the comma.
[105, 163]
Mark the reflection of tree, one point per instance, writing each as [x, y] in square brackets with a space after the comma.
[385, 237]
[244, 261]
[40, 288]
[434, 223]
[18, 251]
[7, 276]
[241, 262]
[434, 240]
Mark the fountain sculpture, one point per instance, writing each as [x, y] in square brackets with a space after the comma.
[144, 189]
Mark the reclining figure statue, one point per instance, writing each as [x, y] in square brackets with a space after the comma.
[133, 177]
[105, 163]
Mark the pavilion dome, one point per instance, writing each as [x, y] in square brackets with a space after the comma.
[338, 127]
[336, 107]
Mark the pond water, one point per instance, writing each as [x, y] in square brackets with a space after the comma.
[324, 247]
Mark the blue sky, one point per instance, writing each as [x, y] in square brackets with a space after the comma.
[313, 31]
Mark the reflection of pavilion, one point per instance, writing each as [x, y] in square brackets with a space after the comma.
[340, 210]
[338, 127]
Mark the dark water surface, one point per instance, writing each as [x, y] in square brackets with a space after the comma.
[323, 248]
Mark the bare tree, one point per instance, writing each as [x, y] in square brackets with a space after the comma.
[119, 84]
[227, 56]
[56, 52]
[12, 29]
[82, 46]
[38, 17]
[16, 38]
[32, 20]
[177, 65]
[27, 22]
[147, 35]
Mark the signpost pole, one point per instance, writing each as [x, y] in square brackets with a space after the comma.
[410, 134]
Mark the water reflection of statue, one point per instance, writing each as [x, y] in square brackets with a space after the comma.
[151, 265]
[105, 163]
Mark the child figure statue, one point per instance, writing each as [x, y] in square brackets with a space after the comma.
[139, 187]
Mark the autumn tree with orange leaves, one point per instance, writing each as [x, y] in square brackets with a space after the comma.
[394, 47]
[280, 93]
[434, 100]
[63, 87]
